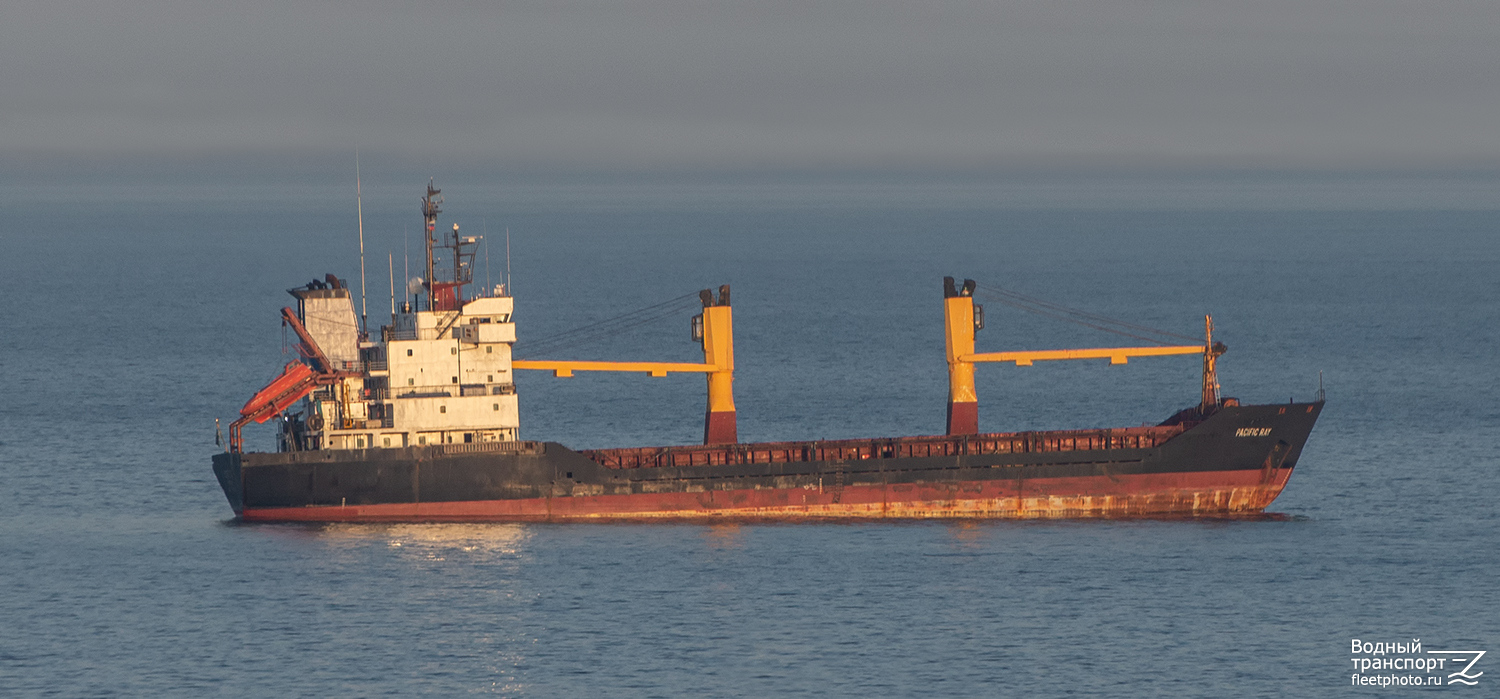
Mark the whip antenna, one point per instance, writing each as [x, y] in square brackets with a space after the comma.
[359, 207]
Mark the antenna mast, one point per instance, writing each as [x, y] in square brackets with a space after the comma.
[430, 211]
[458, 262]
[359, 207]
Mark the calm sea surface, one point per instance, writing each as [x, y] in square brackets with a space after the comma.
[138, 310]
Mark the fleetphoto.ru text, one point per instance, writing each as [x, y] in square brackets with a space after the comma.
[1408, 665]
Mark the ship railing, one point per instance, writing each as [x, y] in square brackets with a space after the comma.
[413, 334]
[375, 423]
[422, 392]
[479, 389]
[357, 367]
[897, 448]
[383, 393]
[517, 447]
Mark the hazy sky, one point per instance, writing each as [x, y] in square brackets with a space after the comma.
[630, 84]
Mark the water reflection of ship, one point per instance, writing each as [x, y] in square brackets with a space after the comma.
[478, 538]
[725, 535]
[420, 422]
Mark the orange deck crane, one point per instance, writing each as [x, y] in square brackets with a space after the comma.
[295, 381]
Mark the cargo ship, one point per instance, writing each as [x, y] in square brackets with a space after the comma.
[420, 422]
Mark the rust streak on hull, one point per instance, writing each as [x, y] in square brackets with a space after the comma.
[1198, 494]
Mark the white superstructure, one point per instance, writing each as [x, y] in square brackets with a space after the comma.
[439, 375]
[442, 373]
[433, 377]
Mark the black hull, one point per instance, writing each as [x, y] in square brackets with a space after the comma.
[1234, 462]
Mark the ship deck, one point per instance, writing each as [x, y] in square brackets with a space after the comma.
[885, 448]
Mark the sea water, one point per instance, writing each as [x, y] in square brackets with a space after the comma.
[138, 309]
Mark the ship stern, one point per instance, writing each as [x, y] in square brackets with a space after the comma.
[227, 470]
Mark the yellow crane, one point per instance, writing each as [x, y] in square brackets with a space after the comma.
[714, 329]
[960, 321]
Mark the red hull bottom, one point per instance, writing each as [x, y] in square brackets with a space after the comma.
[1190, 494]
